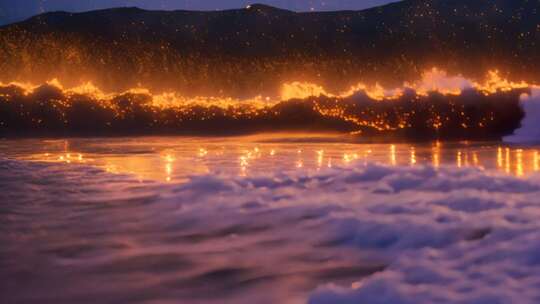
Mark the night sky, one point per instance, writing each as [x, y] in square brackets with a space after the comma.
[13, 10]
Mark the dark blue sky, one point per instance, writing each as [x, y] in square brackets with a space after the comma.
[12, 10]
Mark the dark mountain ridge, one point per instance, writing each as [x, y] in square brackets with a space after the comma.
[254, 50]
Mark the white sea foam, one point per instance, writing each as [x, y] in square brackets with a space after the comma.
[401, 234]
[530, 126]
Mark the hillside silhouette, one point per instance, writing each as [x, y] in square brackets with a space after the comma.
[254, 50]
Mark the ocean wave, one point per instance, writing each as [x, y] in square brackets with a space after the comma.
[471, 114]
[529, 132]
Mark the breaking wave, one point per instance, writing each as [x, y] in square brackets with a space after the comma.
[529, 132]
[438, 107]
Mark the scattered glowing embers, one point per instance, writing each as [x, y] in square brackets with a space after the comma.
[434, 106]
[432, 81]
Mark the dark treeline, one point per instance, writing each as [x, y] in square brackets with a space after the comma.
[471, 115]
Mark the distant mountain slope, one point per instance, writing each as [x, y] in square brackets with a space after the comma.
[254, 50]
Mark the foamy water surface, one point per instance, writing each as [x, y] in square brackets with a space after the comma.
[267, 219]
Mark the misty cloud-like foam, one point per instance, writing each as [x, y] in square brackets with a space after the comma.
[403, 234]
[530, 125]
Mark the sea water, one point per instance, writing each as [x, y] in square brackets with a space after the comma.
[267, 219]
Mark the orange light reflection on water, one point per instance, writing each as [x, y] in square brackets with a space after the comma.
[536, 165]
[436, 157]
[176, 162]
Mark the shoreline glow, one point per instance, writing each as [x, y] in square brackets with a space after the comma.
[250, 156]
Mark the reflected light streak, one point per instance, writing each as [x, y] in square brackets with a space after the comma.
[346, 158]
[519, 163]
[413, 156]
[536, 159]
[476, 161]
[507, 161]
[436, 151]
[500, 160]
[168, 171]
[393, 158]
[436, 158]
[169, 159]
[320, 157]
[243, 165]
